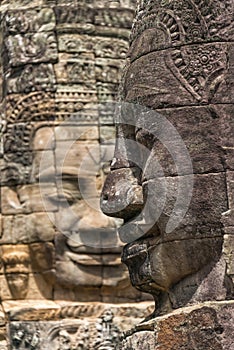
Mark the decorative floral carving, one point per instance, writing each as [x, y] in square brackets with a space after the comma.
[25, 337]
[199, 68]
[30, 78]
[16, 22]
[87, 335]
[31, 48]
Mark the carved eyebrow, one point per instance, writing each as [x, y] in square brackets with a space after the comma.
[48, 174]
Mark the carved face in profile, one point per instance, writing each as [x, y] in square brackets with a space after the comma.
[172, 170]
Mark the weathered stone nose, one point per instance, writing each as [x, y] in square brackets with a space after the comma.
[122, 195]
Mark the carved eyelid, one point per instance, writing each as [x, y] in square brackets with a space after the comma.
[64, 196]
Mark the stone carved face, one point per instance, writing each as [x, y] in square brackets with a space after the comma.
[59, 76]
[182, 93]
[87, 249]
[16, 268]
[86, 245]
[84, 263]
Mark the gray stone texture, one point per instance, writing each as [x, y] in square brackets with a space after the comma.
[206, 326]
[177, 110]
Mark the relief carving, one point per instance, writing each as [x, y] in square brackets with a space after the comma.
[101, 46]
[16, 22]
[25, 337]
[200, 69]
[103, 334]
[15, 261]
[30, 48]
[97, 333]
[168, 24]
[31, 78]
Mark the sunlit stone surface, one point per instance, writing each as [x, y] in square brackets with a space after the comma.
[60, 257]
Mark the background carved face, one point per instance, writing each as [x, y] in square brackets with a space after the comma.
[79, 249]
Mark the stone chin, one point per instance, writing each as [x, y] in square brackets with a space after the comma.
[158, 268]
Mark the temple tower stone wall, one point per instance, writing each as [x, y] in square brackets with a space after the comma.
[61, 285]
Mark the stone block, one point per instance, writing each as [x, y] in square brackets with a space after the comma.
[33, 334]
[228, 221]
[34, 257]
[230, 189]
[4, 344]
[88, 324]
[184, 209]
[74, 132]
[228, 250]
[144, 340]
[32, 20]
[80, 158]
[108, 70]
[101, 46]
[229, 230]
[184, 140]
[224, 93]
[73, 70]
[107, 153]
[27, 228]
[76, 93]
[86, 295]
[30, 78]
[14, 229]
[17, 286]
[44, 138]
[41, 257]
[31, 48]
[36, 106]
[107, 94]
[20, 4]
[69, 15]
[229, 158]
[2, 317]
[13, 173]
[1, 228]
[107, 134]
[43, 167]
[38, 197]
[11, 203]
[204, 326]
[31, 310]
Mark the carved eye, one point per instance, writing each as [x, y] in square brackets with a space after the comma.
[64, 198]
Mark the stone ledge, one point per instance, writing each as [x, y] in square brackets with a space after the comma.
[204, 326]
[42, 310]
